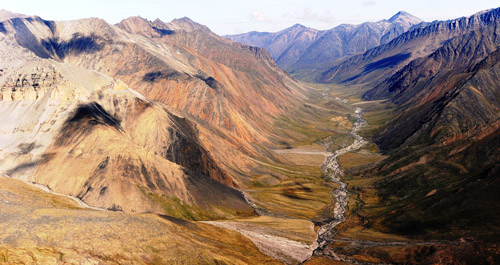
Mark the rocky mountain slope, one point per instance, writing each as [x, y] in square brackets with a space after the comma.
[443, 141]
[379, 63]
[153, 117]
[429, 86]
[232, 91]
[455, 56]
[433, 107]
[162, 118]
[299, 47]
[88, 135]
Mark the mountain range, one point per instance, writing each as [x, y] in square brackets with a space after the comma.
[299, 47]
[436, 82]
[174, 128]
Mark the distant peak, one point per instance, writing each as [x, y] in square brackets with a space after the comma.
[158, 21]
[492, 10]
[298, 26]
[6, 14]
[405, 16]
[186, 24]
[295, 27]
[402, 13]
[184, 20]
[135, 19]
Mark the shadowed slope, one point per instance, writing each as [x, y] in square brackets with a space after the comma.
[419, 42]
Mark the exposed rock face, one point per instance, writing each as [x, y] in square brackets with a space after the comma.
[453, 105]
[299, 47]
[456, 55]
[5, 15]
[233, 91]
[435, 89]
[285, 46]
[29, 87]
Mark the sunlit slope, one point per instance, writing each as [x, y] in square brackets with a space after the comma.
[37, 227]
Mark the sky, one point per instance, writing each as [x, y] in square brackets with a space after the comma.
[236, 16]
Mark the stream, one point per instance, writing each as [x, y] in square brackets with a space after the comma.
[332, 170]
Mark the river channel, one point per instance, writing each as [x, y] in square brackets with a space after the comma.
[333, 172]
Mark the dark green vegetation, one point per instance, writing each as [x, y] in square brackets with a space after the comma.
[431, 192]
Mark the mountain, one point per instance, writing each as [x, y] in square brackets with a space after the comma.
[6, 15]
[210, 105]
[455, 55]
[427, 84]
[135, 130]
[433, 103]
[175, 162]
[443, 162]
[299, 47]
[379, 63]
[285, 46]
[149, 120]
[233, 89]
[76, 131]
[443, 142]
[241, 91]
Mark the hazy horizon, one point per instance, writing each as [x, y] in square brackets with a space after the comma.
[233, 17]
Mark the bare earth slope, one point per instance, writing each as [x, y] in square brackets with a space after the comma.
[233, 92]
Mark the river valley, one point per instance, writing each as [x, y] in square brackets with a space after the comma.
[293, 252]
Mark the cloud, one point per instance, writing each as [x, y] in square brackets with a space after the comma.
[257, 16]
[309, 16]
[369, 3]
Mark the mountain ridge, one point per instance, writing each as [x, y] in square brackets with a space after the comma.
[299, 47]
[382, 61]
